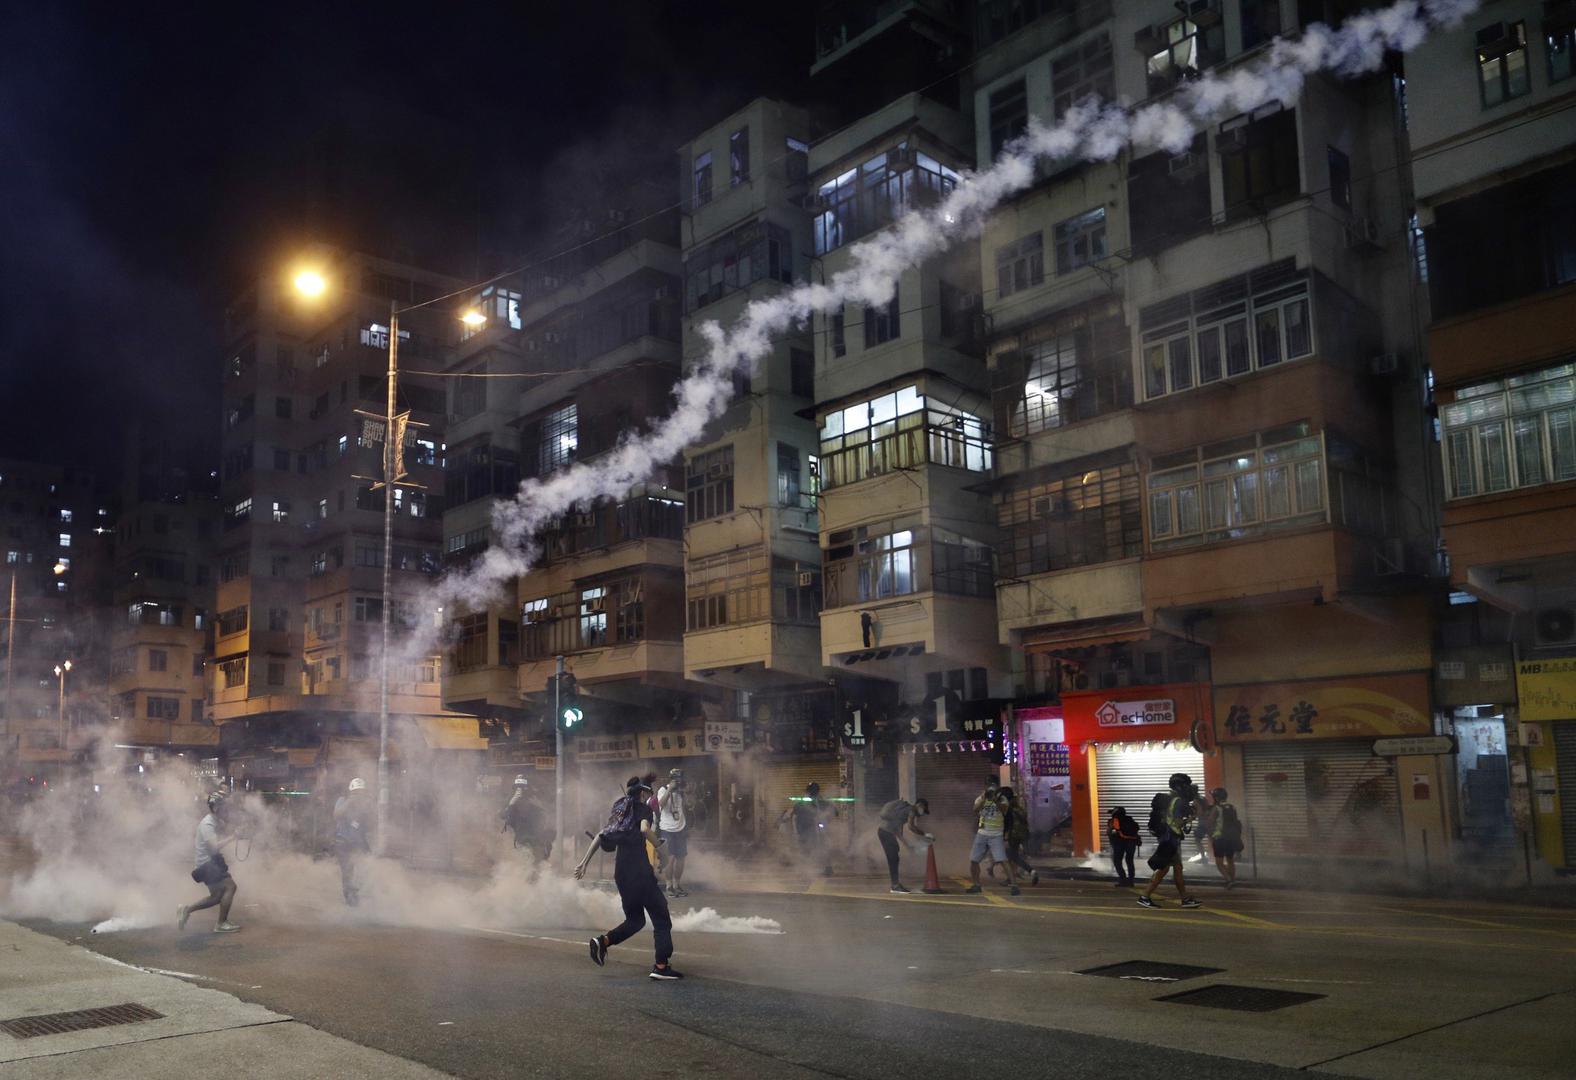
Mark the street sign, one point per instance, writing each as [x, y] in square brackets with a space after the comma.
[1414, 744]
[1126, 713]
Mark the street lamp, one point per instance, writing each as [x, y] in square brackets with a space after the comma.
[10, 643]
[60, 673]
[311, 284]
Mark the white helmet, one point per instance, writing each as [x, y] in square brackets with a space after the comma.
[520, 781]
[358, 784]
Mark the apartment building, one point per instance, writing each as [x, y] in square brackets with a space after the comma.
[1212, 466]
[54, 531]
[294, 680]
[1494, 169]
[165, 573]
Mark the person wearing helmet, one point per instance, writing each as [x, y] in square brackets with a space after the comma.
[211, 869]
[516, 816]
[673, 826]
[350, 838]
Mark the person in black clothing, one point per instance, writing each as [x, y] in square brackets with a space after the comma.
[638, 888]
[1125, 838]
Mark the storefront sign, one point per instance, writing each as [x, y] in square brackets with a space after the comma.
[1123, 713]
[1360, 707]
[1546, 689]
[724, 737]
[610, 748]
[1049, 759]
[1473, 675]
[672, 743]
[1416, 744]
[546, 764]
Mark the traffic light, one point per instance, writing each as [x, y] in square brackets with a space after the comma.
[568, 700]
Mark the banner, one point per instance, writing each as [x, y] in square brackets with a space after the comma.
[1546, 689]
[1361, 707]
[589, 748]
[654, 744]
[724, 737]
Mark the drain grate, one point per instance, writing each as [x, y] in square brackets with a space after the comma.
[1240, 998]
[1150, 971]
[28, 1027]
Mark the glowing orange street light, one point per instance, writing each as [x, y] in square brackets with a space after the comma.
[311, 284]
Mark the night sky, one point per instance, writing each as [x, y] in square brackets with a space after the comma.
[152, 158]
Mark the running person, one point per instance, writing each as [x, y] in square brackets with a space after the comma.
[211, 869]
[638, 888]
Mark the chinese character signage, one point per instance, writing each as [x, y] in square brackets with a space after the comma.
[1048, 759]
[655, 744]
[1546, 689]
[607, 748]
[1356, 708]
[724, 737]
[1124, 713]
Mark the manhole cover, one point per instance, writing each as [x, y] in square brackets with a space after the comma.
[28, 1027]
[1150, 971]
[1240, 998]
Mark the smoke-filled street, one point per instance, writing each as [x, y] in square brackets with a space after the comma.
[860, 983]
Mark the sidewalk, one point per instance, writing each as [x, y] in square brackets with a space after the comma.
[201, 1032]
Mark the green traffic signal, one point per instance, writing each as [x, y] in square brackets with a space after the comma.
[571, 716]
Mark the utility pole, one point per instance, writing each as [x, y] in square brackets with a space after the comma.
[10, 650]
[389, 478]
[558, 766]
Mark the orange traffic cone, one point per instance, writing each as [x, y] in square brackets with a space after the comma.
[932, 879]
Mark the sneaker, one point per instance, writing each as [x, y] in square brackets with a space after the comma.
[671, 891]
[897, 888]
[1014, 890]
[226, 928]
[182, 913]
[973, 889]
[1190, 902]
[1144, 901]
[598, 951]
[1034, 877]
[679, 890]
[1232, 884]
[664, 973]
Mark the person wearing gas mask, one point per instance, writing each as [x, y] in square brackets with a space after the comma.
[516, 816]
[673, 825]
[211, 869]
[350, 838]
[992, 808]
[639, 892]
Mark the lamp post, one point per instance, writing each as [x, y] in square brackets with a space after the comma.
[312, 285]
[10, 649]
[60, 673]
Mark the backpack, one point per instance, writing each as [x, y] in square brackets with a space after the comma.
[1157, 815]
[1017, 829]
[622, 823]
[1229, 828]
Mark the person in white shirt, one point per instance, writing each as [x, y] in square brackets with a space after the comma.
[211, 869]
[673, 824]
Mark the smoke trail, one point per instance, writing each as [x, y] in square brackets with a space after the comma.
[1092, 131]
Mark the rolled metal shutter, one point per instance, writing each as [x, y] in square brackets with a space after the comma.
[1131, 778]
[1311, 801]
[950, 782]
[1565, 774]
[783, 779]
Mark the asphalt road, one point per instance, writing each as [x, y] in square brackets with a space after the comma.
[863, 984]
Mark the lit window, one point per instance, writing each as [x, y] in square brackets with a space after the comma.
[739, 157]
[1080, 240]
[65, 540]
[1511, 433]
[703, 179]
[1020, 265]
[65, 516]
[1502, 63]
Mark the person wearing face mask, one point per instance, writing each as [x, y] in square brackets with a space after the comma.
[896, 816]
[211, 869]
[639, 892]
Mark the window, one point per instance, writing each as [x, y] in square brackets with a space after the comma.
[796, 159]
[281, 460]
[276, 673]
[470, 392]
[158, 660]
[839, 343]
[1258, 319]
[1081, 71]
[470, 642]
[282, 408]
[164, 708]
[1080, 240]
[801, 373]
[789, 490]
[1340, 178]
[593, 615]
[1260, 22]
[1502, 63]
[232, 673]
[64, 539]
[1237, 488]
[758, 251]
[884, 323]
[886, 566]
[279, 619]
[1511, 433]
[738, 157]
[897, 431]
[1168, 197]
[703, 179]
[725, 589]
[232, 621]
[369, 555]
[1050, 385]
[1258, 159]
[281, 512]
[708, 485]
[238, 513]
[1560, 42]
[560, 439]
[1182, 50]
[1020, 265]
[1009, 115]
[65, 517]
[1091, 515]
[368, 609]
[876, 193]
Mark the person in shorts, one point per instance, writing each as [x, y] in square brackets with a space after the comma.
[673, 825]
[896, 816]
[991, 835]
[211, 869]
[1171, 814]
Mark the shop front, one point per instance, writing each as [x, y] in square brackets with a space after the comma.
[1474, 699]
[1325, 778]
[1544, 791]
[1123, 745]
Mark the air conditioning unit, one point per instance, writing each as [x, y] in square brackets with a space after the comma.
[1554, 626]
[585, 521]
[1185, 166]
[1385, 364]
[1235, 139]
[1362, 233]
[1202, 13]
[717, 470]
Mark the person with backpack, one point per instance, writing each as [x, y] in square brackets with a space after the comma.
[1226, 837]
[1123, 834]
[625, 833]
[1017, 834]
[1170, 815]
[897, 815]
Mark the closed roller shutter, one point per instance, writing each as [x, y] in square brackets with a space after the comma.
[1320, 800]
[950, 781]
[783, 779]
[1565, 765]
[1132, 778]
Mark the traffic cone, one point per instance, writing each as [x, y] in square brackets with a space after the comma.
[932, 879]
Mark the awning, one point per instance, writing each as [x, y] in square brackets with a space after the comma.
[1084, 635]
[451, 732]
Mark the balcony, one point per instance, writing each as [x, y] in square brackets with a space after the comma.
[1503, 339]
[919, 632]
[754, 656]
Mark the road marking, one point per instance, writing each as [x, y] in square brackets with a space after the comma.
[556, 941]
[1250, 920]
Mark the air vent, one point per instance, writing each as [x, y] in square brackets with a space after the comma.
[1555, 626]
